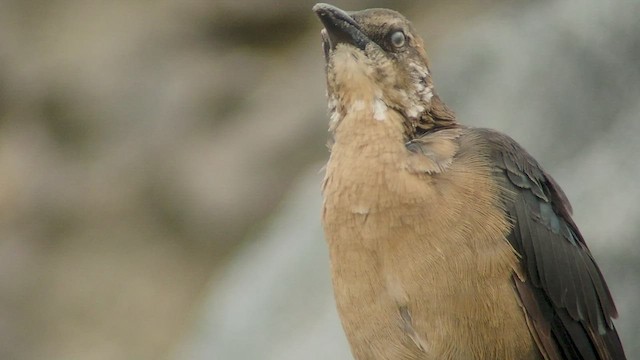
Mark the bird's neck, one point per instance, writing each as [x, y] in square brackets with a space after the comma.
[368, 125]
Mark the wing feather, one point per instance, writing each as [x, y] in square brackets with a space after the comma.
[566, 299]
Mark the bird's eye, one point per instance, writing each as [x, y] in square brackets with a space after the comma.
[397, 39]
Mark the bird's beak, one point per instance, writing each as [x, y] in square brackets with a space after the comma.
[339, 27]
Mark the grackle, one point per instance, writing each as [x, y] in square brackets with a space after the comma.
[446, 241]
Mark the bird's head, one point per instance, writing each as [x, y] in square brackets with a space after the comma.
[375, 57]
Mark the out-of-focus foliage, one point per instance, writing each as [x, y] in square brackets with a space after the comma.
[145, 148]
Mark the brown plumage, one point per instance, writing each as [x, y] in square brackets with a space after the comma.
[446, 242]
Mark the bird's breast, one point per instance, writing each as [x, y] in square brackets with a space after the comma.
[417, 259]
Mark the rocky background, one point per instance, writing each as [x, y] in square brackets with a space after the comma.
[160, 162]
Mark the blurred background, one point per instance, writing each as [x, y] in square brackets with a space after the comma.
[160, 162]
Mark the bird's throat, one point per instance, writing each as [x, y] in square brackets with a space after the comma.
[367, 125]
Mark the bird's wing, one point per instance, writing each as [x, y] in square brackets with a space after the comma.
[568, 304]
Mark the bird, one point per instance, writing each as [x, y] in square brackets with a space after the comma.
[445, 241]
